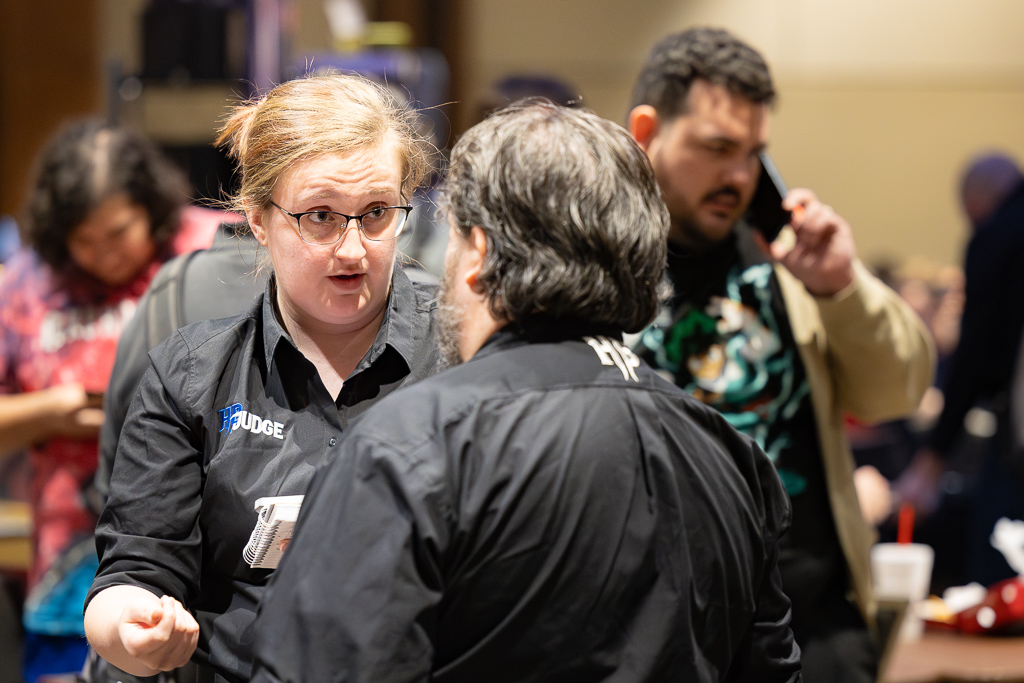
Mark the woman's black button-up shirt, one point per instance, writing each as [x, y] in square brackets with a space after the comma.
[228, 412]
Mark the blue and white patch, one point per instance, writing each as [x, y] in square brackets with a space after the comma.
[235, 416]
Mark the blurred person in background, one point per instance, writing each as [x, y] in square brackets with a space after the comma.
[13, 486]
[936, 293]
[105, 210]
[14, 467]
[782, 338]
[947, 287]
[985, 184]
[981, 369]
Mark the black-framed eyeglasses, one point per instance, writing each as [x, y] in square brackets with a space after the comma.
[326, 227]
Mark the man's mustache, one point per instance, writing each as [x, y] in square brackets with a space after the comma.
[723, 192]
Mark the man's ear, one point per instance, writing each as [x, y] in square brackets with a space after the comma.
[254, 217]
[643, 125]
[476, 254]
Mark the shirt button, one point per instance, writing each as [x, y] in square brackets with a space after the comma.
[333, 442]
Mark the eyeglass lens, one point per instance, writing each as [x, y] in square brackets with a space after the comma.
[325, 227]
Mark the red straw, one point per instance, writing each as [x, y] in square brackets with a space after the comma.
[905, 527]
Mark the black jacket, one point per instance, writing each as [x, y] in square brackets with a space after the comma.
[185, 479]
[201, 285]
[982, 366]
[550, 511]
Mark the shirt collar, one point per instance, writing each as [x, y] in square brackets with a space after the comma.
[543, 330]
[404, 327]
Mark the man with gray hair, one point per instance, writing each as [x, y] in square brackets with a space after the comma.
[550, 509]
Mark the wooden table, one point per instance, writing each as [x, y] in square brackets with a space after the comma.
[15, 536]
[955, 658]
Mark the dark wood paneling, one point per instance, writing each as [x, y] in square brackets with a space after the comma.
[49, 73]
[437, 24]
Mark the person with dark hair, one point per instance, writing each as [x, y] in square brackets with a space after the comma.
[984, 370]
[91, 163]
[234, 410]
[105, 211]
[710, 55]
[550, 509]
[782, 337]
[986, 182]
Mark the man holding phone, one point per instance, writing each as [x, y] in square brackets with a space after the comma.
[782, 336]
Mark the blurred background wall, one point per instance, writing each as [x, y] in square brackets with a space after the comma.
[881, 103]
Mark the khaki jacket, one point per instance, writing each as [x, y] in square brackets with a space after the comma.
[866, 354]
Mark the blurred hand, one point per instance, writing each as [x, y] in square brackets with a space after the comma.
[159, 632]
[823, 254]
[919, 483]
[873, 493]
[928, 411]
[75, 415]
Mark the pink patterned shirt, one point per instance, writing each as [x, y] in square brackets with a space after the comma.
[57, 331]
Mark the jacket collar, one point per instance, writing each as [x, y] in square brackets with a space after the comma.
[543, 330]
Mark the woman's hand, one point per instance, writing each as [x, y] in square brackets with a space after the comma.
[30, 418]
[159, 633]
[77, 415]
[138, 632]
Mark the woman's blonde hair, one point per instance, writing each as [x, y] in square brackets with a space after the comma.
[316, 115]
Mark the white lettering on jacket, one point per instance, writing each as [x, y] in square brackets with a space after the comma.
[234, 417]
[612, 352]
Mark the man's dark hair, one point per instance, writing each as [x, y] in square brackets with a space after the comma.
[573, 216]
[84, 165]
[701, 53]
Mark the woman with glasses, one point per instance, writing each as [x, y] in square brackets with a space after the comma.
[240, 409]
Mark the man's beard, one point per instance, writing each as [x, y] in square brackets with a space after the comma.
[449, 318]
[684, 232]
[687, 233]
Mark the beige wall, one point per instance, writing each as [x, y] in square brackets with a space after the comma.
[888, 159]
[882, 101]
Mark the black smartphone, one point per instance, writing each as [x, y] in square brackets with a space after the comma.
[765, 213]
